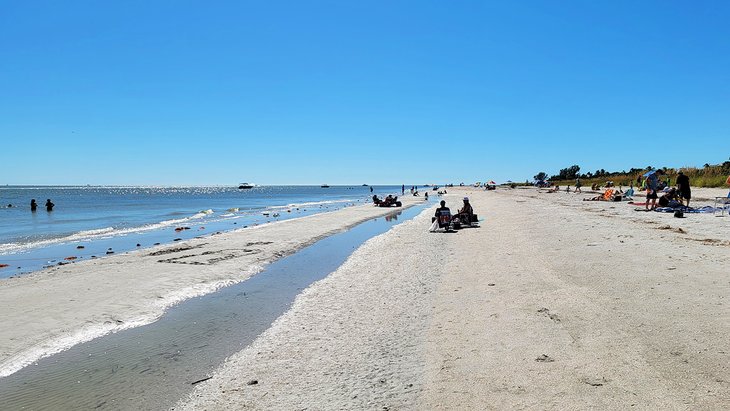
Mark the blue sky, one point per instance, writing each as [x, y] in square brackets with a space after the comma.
[308, 92]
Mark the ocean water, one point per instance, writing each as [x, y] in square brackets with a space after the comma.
[92, 222]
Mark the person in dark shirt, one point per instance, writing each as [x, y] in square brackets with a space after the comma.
[443, 208]
[49, 205]
[33, 205]
[443, 215]
[667, 197]
[685, 193]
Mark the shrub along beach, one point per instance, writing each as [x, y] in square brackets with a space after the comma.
[709, 175]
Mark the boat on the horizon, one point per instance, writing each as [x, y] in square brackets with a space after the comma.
[245, 186]
[325, 186]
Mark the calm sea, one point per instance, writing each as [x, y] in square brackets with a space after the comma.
[91, 222]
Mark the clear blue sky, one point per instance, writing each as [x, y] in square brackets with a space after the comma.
[277, 92]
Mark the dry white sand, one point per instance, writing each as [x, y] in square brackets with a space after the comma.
[554, 303]
[53, 309]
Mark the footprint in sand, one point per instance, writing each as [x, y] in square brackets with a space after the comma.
[594, 381]
[544, 358]
[550, 315]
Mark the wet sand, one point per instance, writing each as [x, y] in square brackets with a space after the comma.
[56, 308]
[554, 303]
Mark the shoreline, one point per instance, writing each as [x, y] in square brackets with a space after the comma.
[87, 234]
[62, 306]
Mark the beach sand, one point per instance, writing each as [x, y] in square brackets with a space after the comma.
[554, 303]
[56, 308]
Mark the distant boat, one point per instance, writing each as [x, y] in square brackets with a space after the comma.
[325, 186]
[364, 185]
[245, 186]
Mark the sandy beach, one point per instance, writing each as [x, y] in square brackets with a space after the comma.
[59, 307]
[554, 303]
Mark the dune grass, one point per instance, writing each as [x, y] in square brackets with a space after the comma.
[707, 176]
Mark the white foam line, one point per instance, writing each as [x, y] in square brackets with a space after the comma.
[315, 203]
[88, 235]
[108, 232]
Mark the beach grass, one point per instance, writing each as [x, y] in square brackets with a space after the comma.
[708, 176]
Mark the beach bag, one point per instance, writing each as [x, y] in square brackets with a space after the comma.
[678, 214]
[434, 226]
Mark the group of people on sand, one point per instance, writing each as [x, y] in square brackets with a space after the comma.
[388, 201]
[658, 192]
[680, 195]
[444, 219]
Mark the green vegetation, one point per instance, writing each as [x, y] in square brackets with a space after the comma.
[710, 175]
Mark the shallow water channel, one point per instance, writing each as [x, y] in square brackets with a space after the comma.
[152, 366]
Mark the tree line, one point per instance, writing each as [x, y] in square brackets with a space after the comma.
[709, 175]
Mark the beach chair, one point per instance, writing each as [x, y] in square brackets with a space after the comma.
[721, 204]
[608, 195]
[470, 220]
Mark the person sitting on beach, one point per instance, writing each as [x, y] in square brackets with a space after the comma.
[666, 199]
[608, 195]
[33, 205]
[390, 201]
[466, 212]
[49, 205]
[376, 200]
[443, 215]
